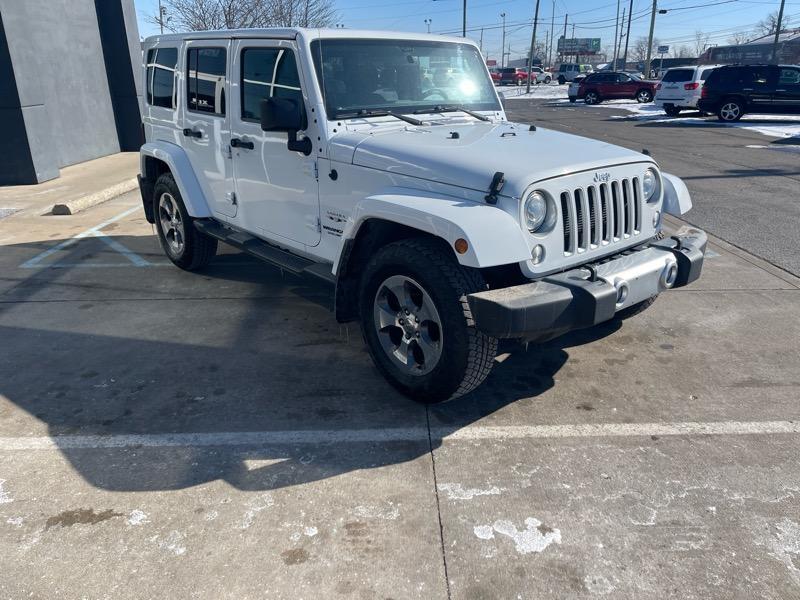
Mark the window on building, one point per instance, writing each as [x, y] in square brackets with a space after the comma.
[267, 73]
[161, 63]
[205, 80]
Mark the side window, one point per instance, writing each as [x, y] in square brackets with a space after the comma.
[757, 76]
[622, 78]
[205, 80]
[789, 77]
[267, 73]
[161, 63]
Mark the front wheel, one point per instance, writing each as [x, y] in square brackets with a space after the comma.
[644, 96]
[417, 323]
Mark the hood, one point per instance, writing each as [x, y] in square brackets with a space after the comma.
[468, 154]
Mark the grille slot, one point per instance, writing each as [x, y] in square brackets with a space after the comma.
[601, 215]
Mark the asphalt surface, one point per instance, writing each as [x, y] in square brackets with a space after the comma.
[218, 435]
[746, 196]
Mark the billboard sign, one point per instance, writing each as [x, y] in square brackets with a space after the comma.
[578, 45]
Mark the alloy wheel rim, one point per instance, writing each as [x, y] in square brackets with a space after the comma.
[408, 325]
[730, 111]
[171, 223]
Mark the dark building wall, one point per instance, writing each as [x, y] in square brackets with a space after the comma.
[76, 92]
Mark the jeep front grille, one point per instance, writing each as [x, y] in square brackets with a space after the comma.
[601, 214]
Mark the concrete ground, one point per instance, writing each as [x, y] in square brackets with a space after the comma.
[218, 435]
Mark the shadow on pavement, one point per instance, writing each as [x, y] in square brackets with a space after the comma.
[246, 350]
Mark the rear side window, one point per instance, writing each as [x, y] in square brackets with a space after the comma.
[161, 63]
[789, 76]
[678, 75]
[205, 80]
[267, 73]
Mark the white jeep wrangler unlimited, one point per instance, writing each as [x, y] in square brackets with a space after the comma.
[384, 163]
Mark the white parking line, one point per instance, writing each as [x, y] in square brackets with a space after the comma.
[396, 434]
[34, 263]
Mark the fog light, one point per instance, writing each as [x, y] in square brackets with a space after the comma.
[656, 219]
[537, 255]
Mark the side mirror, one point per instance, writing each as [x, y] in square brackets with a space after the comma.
[286, 114]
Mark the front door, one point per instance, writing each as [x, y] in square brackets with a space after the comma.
[787, 92]
[626, 86]
[205, 122]
[277, 190]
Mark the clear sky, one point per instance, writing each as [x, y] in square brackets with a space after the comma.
[592, 18]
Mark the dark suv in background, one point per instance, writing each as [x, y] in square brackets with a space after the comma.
[732, 91]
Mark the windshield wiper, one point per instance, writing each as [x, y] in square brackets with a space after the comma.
[379, 113]
[454, 108]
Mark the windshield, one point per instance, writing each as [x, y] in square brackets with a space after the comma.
[402, 76]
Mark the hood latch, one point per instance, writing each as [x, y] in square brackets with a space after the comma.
[498, 181]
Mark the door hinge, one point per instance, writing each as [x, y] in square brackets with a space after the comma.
[316, 171]
[231, 198]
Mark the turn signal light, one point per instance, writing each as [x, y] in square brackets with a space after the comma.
[461, 245]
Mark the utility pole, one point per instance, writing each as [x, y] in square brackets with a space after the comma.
[619, 45]
[573, 41]
[777, 33]
[503, 46]
[616, 37]
[627, 37]
[533, 44]
[481, 42]
[464, 21]
[650, 40]
[552, 35]
[563, 51]
[161, 16]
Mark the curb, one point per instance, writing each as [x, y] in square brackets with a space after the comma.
[79, 204]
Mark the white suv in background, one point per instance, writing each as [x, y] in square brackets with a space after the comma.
[680, 88]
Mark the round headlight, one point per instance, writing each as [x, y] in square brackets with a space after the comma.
[535, 211]
[650, 184]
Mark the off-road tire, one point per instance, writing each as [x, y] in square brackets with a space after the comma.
[467, 354]
[198, 248]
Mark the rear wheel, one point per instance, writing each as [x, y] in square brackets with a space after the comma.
[417, 323]
[561, 80]
[547, 80]
[644, 96]
[183, 244]
[592, 97]
[730, 110]
[672, 110]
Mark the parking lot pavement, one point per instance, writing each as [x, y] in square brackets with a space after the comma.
[172, 434]
[744, 184]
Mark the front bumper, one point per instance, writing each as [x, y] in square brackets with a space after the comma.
[592, 293]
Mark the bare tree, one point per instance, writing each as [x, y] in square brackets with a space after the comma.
[682, 51]
[768, 25]
[638, 49]
[700, 42]
[740, 37]
[200, 15]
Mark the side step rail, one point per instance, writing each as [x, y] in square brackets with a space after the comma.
[266, 252]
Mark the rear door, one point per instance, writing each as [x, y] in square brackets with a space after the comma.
[205, 124]
[787, 92]
[758, 84]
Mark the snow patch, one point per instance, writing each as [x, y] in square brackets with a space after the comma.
[455, 491]
[137, 517]
[264, 501]
[310, 531]
[173, 543]
[5, 497]
[534, 538]
[597, 584]
[389, 513]
[15, 521]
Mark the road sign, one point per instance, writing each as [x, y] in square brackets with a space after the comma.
[663, 49]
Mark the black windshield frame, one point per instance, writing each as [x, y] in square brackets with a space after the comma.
[320, 47]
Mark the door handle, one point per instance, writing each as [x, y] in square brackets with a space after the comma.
[192, 133]
[242, 143]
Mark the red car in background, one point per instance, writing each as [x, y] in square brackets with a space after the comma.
[612, 85]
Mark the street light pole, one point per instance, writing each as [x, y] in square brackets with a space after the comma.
[503, 47]
[777, 32]
[533, 43]
[428, 23]
[650, 40]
